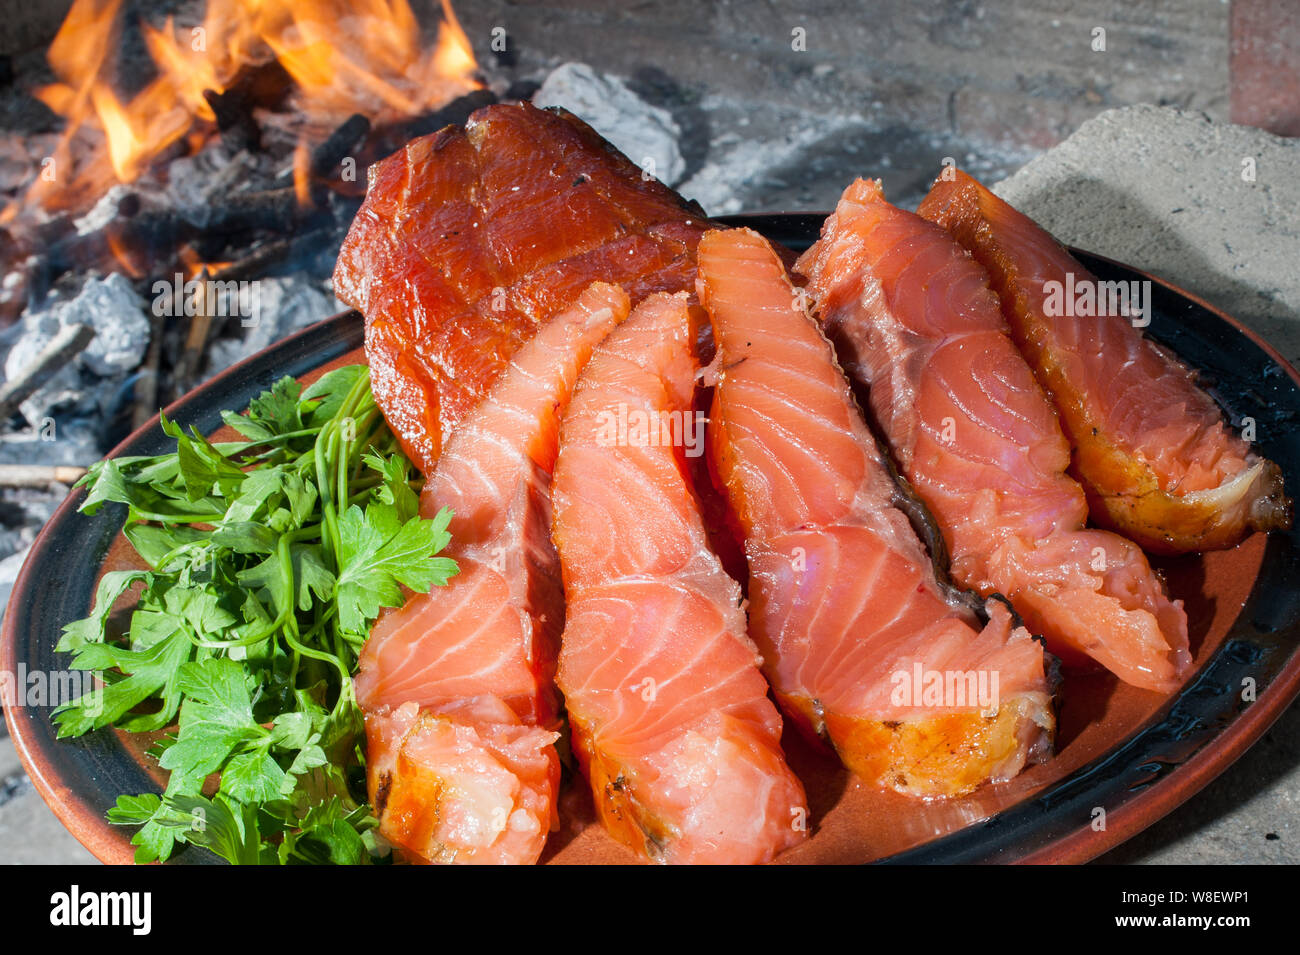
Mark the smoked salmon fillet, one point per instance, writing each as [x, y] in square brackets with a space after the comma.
[843, 602]
[457, 685]
[912, 317]
[1152, 450]
[669, 713]
[470, 239]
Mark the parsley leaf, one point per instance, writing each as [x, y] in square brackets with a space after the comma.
[269, 558]
[378, 553]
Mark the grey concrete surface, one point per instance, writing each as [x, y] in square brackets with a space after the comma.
[1212, 207]
[1250, 814]
[1025, 72]
[780, 104]
[30, 834]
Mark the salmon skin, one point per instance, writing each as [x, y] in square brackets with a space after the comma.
[913, 318]
[1152, 450]
[457, 686]
[844, 606]
[470, 239]
[669, 713]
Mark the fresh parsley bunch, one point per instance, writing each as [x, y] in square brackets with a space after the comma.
[269, 559]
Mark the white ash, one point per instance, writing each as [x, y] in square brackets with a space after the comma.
[62, 439]
[194, 181]
[283, 305]
[116, 313]
[102, 212]
[720, 185]
[641, 131]
[61, 390]
[9, 568]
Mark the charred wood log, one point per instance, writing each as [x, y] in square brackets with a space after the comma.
[326, 157]
[259, 86]
[456, 112]
[62, 348]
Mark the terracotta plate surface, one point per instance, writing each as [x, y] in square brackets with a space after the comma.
[1129, 754]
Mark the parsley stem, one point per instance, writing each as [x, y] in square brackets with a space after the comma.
[137, 514]
[317, 654]
[229, 448]
[329, 520]
[286, 581]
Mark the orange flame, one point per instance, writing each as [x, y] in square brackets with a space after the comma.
[302, 173]
[345, 57]
[123, 255]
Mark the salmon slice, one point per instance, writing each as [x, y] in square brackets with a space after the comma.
[912, 316]
[1152, 450]
[470, 239]
[457, 685]
[669, 714]
[844, 606]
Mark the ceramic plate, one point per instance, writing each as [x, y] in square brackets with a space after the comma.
[1125, 757]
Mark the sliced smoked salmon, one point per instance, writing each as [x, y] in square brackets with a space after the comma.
[913, 318]
[470, 239]
[669, 713]
[843, 602]
[1151, 448]
[457, 685]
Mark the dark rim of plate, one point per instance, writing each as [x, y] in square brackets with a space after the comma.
[1198, 733]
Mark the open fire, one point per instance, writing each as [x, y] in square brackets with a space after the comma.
[181, 203]
[341, 58]
[233, 155]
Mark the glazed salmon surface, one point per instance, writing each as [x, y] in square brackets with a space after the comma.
[470, 239]
[457, 685]
[1151, 448]
[669, 713]
[912, 316]
[843, 603]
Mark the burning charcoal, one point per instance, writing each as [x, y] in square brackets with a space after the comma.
[326, 157]
[195, 182]
[153, 235]
[255, 262]
[275, 210]
[521, 90]
[455, 112]
[259, 86]
[262, 85]
[647, 134]
[234, 121]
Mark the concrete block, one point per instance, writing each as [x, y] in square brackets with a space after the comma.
[1212, 207]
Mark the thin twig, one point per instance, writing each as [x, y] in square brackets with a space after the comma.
[39, 475]
[62, 348]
